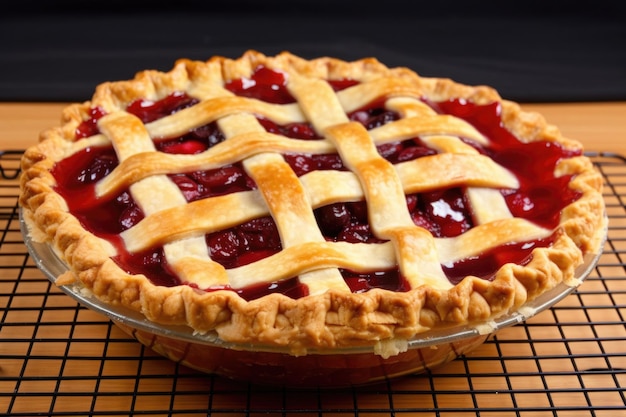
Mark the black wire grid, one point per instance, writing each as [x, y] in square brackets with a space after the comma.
[60, 359]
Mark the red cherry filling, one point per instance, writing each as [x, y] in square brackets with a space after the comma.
[373, 117]
[265, 85]
[76, 177]
[388, 280]
[303, 163]
[292, 130]
[483, 266]
[89, 127]
[445, 213]
[271, 86]
[149, 111]
[225, 180]
[245, 243]
[151, 263]
[346, 222]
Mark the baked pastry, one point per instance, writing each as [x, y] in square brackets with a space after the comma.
[310, 203]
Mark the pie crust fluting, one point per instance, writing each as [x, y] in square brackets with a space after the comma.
[329, 314]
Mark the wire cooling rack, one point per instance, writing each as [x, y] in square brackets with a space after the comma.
[60, 359]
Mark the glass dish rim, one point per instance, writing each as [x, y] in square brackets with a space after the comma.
[52, 266]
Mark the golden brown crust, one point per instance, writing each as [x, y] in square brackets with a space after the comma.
[332, 318]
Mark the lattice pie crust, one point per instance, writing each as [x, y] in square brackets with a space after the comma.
[330, 315]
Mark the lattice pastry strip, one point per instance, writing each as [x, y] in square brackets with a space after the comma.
[322, 188]
[187, 257]
[242, 145]
[288, 204]
[293, 216]
[418, 254]
[494, 222]
[388, 214]
[487, 204]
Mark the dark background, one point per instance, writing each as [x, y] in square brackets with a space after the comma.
[531, 51]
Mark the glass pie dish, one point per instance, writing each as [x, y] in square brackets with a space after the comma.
[318, 368]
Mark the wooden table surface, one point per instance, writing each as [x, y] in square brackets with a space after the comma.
[64, 360]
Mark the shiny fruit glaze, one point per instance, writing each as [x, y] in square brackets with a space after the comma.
[445, 213]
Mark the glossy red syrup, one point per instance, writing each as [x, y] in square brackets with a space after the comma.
[149, 111]
[541, 196]
[444, 213]
[265, 85]
[483, 266]
[89, 127]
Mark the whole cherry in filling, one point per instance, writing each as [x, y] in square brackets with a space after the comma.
[445, 213]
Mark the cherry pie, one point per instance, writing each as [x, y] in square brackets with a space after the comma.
[310, 204]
